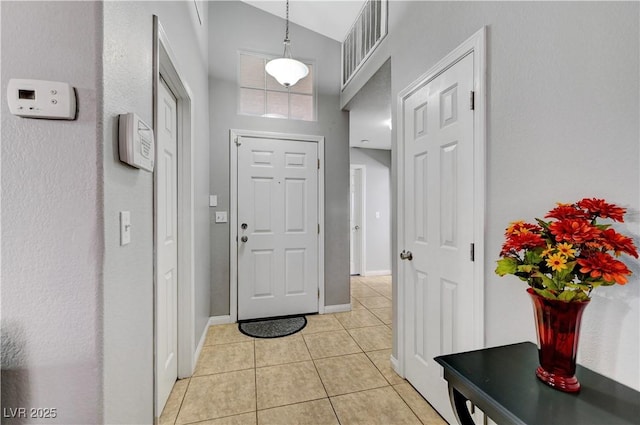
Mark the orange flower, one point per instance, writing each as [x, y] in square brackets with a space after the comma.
[517, 227]
[618, 243]
[519, 241]
[601, 264]
[564, 212]
[574, 231]
[602, 209]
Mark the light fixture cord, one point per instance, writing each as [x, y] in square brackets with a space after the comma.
[286, 33]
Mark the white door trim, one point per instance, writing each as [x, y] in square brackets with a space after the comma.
[233, 210]
[165, 64]
[475, 44]
[363, 215]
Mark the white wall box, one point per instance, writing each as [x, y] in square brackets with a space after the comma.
[136, 142]
[41, 99]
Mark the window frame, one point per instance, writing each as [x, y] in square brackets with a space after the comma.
[266, 90]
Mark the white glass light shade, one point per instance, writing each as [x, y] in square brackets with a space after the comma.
[287, 71]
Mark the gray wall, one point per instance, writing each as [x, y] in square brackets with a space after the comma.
[52, 238]
[237, 26]
[378, 199]
[563, 123]
[128, 270]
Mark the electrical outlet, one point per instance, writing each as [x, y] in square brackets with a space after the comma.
[221, 216]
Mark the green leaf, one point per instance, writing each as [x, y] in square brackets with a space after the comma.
[567, 295]
[580, 286]
[533, 256]
[543, 224]
[525, 268]
[566, 275]
[545, 293]
[506, 266]
[546, 281]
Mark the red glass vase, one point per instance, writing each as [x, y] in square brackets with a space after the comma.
[558, 326]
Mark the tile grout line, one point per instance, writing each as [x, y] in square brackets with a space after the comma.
[322, 382]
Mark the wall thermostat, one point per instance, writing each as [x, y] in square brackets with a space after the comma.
[136, 142]
[41, 99]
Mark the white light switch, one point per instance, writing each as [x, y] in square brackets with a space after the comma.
[213, 200]
[221, 216]
[125, 227]
[377, 214]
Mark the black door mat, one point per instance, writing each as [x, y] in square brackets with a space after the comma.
[274, 327]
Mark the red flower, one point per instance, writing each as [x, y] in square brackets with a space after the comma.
[574, 231]
[618, 243]
[520, 241]
[601, 264]
[564, 212]
[602, 209]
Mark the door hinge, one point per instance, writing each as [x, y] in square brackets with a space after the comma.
[472, 251]
[318, 228]
[472, 101]
[237, 142]
[318, 164]
[318, 293]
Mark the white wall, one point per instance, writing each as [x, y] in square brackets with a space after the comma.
[52, 240]
[563, 123]
[378, 199]
[234, 26]
[128, 271]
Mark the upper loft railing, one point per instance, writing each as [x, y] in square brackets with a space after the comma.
[364, 36]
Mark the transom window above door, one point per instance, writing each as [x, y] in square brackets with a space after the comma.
[259, 94]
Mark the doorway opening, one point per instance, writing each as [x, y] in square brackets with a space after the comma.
[174, 352]
[370, 179]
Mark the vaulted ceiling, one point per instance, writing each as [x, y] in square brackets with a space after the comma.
[331, 18]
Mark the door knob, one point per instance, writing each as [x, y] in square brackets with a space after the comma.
[357, 227]
[244, 238]
[406, 255]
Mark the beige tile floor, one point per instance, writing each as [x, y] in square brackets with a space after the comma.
[336, 371]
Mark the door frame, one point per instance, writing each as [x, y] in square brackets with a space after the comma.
[363, 216]
[475, 44]
[234, 134]
[165, 64]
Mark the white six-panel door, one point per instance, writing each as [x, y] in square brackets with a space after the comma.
[167, 246]
[277, 227]
[438, 146]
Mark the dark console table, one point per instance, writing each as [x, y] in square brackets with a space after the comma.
[501, 381]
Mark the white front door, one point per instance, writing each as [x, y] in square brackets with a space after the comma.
[167, 246]
[438, 146]
[277, 227]
[356, 245]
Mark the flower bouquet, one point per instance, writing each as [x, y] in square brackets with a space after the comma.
[563, 260]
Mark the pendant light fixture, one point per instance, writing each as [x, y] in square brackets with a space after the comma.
[286, 70]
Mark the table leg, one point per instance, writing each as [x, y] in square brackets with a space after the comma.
[459, 404]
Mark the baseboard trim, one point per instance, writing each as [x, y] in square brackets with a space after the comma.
[220, 320]
[395, 365]
[338, 308]
[377, 272]
[196, 354]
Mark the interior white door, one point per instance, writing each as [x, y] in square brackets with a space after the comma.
[355, 185]
[277, 227]
[438, 147]
[167, 246]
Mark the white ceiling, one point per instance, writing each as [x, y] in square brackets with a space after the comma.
[331, 18]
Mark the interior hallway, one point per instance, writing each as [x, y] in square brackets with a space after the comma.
[336, 371]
